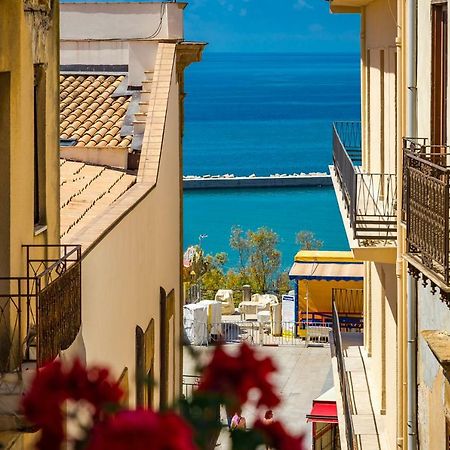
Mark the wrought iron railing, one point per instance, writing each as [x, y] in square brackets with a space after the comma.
[426, 186]
[40, 313]
[352, 443]
[370, 198]
[190, 384]
[349, 305]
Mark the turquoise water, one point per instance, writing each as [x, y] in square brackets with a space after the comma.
[286, 211]
[263, 114]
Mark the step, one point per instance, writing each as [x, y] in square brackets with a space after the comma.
[140, 116]
[148, 74]
[143, 107]
[145, 96]
[139, 126]
[147, 85]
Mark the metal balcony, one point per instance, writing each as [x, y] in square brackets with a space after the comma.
[425, 208]
[344, 383]
[40, 315]
[369, 198]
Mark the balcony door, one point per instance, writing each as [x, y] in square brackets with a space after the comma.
[439, 74]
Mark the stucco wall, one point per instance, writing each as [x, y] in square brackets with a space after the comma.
[378, 71]
[424, 68]
[381, 292]
[433, 388]
[432, 313]
[20, 48]
[123, 273]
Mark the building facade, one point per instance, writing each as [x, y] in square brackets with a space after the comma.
[404, 115]
[34, 267]
[122, 95]
[106, 208]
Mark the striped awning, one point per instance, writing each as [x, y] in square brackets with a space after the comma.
[328, 271]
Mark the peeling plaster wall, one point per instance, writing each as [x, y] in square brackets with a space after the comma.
[433, 404]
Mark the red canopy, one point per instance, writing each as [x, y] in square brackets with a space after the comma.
[325, 412]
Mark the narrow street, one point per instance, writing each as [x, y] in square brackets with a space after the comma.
[304, 374]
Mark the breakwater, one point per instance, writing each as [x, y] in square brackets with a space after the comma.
[315, 179]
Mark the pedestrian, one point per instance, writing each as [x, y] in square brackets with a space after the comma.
[267, 420]
[238, 421]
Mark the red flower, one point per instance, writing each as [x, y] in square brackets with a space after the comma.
[140, 430]
[232, 377]
[276, 436]
[42, 404]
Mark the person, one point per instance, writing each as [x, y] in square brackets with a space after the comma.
[238, 421]
[268, 417]
[267, 420]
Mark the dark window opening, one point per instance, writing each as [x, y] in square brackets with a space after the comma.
[439, 75]
[39, 94]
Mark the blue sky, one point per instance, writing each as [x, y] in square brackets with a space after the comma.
[270, 26]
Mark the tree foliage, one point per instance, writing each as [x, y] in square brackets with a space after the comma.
[307, 241]
[259, 259]
[259, 263]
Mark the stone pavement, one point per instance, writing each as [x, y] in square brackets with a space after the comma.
[304, 374]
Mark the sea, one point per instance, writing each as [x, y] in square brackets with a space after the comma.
[264, 114]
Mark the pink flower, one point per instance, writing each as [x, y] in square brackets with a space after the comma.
[140, 430]
[232, 377]
[52, 386]
[276, 436]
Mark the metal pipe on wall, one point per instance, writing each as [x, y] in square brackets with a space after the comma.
[412, 363]
[400, 234]
[411, 130]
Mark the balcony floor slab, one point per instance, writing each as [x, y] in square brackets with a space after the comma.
[368, 425]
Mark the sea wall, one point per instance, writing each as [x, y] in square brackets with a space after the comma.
[252, 181]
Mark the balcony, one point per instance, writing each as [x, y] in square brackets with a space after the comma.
[348, 6]
[360, 427]
[367, 200]
[40, 315]
[426, 209]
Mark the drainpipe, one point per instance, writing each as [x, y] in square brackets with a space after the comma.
[412, 363]
[400, 235]
[411, 130]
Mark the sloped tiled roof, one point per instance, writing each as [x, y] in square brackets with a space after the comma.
[87, 191]
[90, 113]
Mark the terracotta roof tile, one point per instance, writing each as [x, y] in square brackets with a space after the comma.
[87, 192]
[89, 113]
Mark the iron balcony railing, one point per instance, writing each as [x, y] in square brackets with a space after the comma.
[426, 205]
[370, 198]
[352, 442]
[349, 305]
[40, 313]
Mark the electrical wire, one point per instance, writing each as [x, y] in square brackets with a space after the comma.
[162, 13]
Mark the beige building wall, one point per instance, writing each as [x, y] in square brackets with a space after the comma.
[432, 313]
[139, 252]
[379, 141]
[378, 24]
[24, 43]
[28, 41]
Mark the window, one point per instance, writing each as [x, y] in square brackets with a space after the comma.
[140, 372]
[439, 74]
[145, 354]
[447, 433]
[167, 345]
[39, 94]
[124, 386]
[5, 159]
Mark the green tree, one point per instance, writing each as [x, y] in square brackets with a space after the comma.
[259, 259]
[265, 259]
[240, 242]
[284, 284]
[214, 277]
[307, 241]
